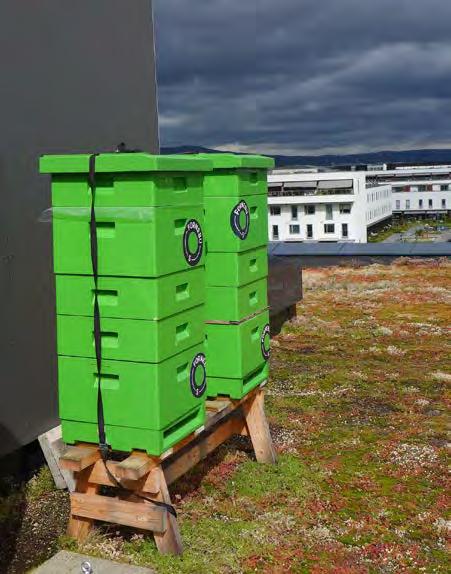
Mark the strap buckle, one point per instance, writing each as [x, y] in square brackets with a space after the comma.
[104, 450]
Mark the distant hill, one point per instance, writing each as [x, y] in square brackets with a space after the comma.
[409, 157]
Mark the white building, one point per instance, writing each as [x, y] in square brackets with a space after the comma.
[419, 190]
[324, 206]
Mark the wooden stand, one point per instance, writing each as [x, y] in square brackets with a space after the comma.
[150, 476]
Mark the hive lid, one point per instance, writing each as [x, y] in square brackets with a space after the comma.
[231, 161]
[123, 162]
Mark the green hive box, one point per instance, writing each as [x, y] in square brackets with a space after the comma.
[236, 269]
[131, 339]
[147, 406]
[126, 180]
[236, 350]
[131, 298]
[233, 304]
[134, 242]
[235, 225]
[237, 388]
[236, 175]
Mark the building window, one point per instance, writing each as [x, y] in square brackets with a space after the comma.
[407, 203]
[275, 232]
[329, 212]
[274, 209]
[398, 204]
[420, 203]
[329, 228]
[444, 188]
[430, 203]
[422, 188]
[344, 229]
[345, 208]
[295, 229]
[309, 231]
[444, 203]
[294, 212]
[309, 209]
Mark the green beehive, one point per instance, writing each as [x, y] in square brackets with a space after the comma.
[126, 180]
[233, 304]
[131, 339]
[236, 350]
[150, 293]
[236, 269]
[235, 225]
[236, 216]
[147, 406]
[132, 242]
[131, 297]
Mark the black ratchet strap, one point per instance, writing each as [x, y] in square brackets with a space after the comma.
[103, 446]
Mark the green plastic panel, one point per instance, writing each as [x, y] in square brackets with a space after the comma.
[235, 351]
[236, 269]
[236, 303]
[123, 162]
[131, 298]
[128, 189]
[137, 398]
[237, 388]
[145, 242]
[234, 161]
[237, 175]
[223, 213]
[127, 439]
[131, 339]
[236, 183]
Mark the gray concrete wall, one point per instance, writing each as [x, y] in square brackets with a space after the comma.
[75, 76]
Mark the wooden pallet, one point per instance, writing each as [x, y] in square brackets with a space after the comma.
[150, 476]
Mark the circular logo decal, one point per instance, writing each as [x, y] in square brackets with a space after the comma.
[265, 342]
[198, 376]
[240, 228]
[193, 234]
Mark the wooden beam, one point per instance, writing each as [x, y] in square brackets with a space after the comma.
[79, 527]
[207, 444]
[148, 484]
[94, 507]
[170, 542]
[258, 428]
[134, 467]
[79, 457]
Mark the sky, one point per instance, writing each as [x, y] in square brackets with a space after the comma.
[304, 76]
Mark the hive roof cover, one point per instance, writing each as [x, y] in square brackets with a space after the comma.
[231, 161]
[122, 162]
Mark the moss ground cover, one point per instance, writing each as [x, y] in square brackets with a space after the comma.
[358, 402]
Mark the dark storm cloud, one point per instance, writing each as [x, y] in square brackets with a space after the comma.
[304, 75]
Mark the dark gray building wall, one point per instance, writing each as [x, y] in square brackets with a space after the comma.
[75, 76]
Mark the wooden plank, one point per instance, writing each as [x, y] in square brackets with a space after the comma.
[149, 484]
[207, 444]
[79, 527]
[53, 447]
[134, 467]
[217, 405]
[258, 429]
[79, 457]
[144, 516]
[170, 542]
